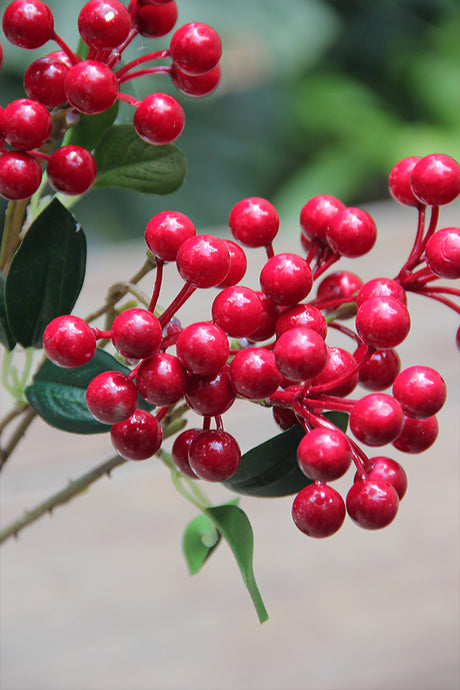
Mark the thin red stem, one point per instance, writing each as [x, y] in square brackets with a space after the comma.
[159, 54]
[160, 69]
[177, 302]
[64, 47]
[157, 286]
[162, 412]
[128, 99]
[415, 251]
[269, 250]
[437, 297]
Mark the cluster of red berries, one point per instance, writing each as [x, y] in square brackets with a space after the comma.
[61, 85]
[282, 357]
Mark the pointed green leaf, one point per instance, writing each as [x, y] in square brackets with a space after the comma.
[124, 160]
[6, 337]
[271, 469]
[58, 395]
[46, 274]
[90, 128]
[200, 540]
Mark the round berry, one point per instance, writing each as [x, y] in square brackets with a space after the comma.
[318, 510]
[238, 265]
[254, 222]
[161, 379]
[91, 87]
[152, 20]
[203, 261]
[286, 279]
[44, 79]
[166, 232]
[71, 169]
[284, 417]
[69, 342]
[179, 452]
[336, 286]
[435, 179]
[270, 313]
[417, 435]
[399, 181]
[138, 437]
[20, 175]
[237, 310]
[376, 419]
[214, 455]
[442, 253]
[136, 333]
[316, 215]
[380, 370]
[324, 454]
[202, 348]
[210, 395]
[351, 232]
[195, 48]
[198, 85]
[104, 23]
[111, 397]
[390, 471]
[26, 124]
[254, 373]
[420, 390]
[341, 367]
[159, 119]
[28, 23]
[382, 322]
[300, 354]
[381, 287]
[372, 503]
[301, 316]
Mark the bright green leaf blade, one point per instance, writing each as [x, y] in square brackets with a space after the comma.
[6, 337]
[58, 395]
[46, 274]
[200, 540]
[271, 469]
[233, 524]
[125, 160]
[90, 128]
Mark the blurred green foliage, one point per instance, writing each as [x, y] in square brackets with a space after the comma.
[317, 96]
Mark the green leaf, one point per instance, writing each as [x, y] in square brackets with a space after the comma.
[58, 395]
[46, 274]
[6, 337]
[271, 469]
[123, 159]
[200, 540]
[90, 128]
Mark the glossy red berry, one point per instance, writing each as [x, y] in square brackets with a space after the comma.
[316, 215]
[382, 322]
[417, 435]
[198, 85]
[26, 124]
[399, 181]
[104, 24]
[210, 395]
[111, 397]
[420, 390]
[28, 23]
[179, 452]
[195, 48]
[44, 79]
[91, 87]
[154, 20]
[284, 417]
[318, 510]
[442, 253]
[238, 264]
[270, 313]
[237, 310]
[71, 169]
[336, 286]
[166, 232]
[136, 333]
[214, 455]
[138, 437]
[380, 370]
[435, 179]
[324, 454]
[351, 232]
[372, 503]
[203, 261]
[254, 373]
[286, 279]
[159, 119]
[203, 348]
[300, 354]
[381, 287]
[20, 175]
[69, 342]
[301, 316]
[376, 419]
[390, 471]
[254, 222]
[161, 379]
[340, 368]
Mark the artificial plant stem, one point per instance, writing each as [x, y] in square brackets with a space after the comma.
[14, 219]
[140, 60]
[415, 251]
[148, 71]
[176, 304]
[157, 286]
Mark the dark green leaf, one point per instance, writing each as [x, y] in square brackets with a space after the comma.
[90, 128]
[200, 540]
[46, 274]
[271, 469]
[125, 160]
[6, 337]
[58, 395]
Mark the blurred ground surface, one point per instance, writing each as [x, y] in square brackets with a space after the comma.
[97, 597]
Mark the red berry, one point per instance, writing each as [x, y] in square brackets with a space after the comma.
[301, 316]
[166, 232]
[28, 23]
[318, 510]
[138, 437]
[26, 124]
[69, 342]
[316, 215]
[91, 87]
[420, 390]
[44, 79]
[351, 232]
[254, 222]
[203, 261]
[417, 435]
[300, 354]
[179, 452]
[382, 322]
[336, 286]
[237, 310]
[380, 370]
[238, 264]
[340, 363]
[376, 419]
[210, 395]
[195, 48]
[198, 85]
[399, 181]
[136, 333]
[104, 23]
[381, 287]
[372, 503]
[254, 373]
[270, 313]
[435, 179]
[20, 175]
[324, 454]
[154, 20]
[203, 348]
[214, 455]
[71, 169]
[286, 279]
[443, 253]
[390, 471]
[161, 379]
[159, 119]
[111, 397]
[284, 417]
